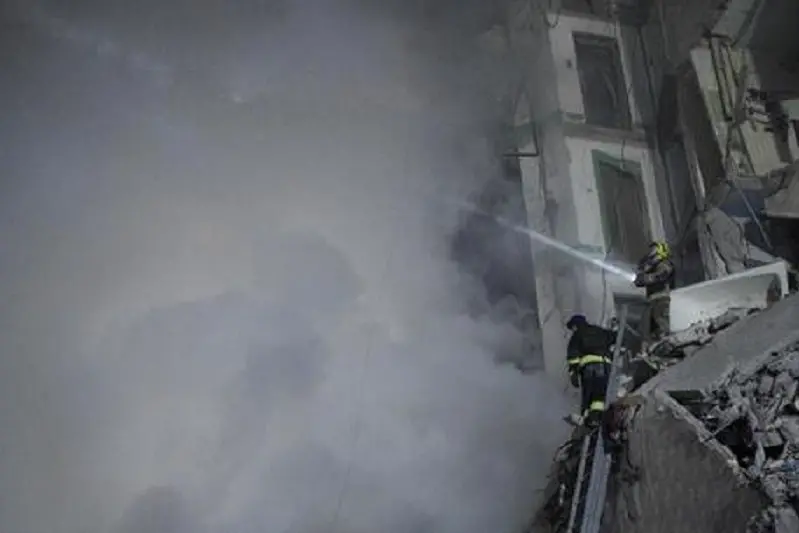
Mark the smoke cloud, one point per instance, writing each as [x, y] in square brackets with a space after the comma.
[228, 298]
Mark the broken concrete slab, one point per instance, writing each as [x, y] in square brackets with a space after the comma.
[751, 414]
[687, 482]
[720, 457]
[674, 346]
[738, 391]
[743, 343]
[747, 289]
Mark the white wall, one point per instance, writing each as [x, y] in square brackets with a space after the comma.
[546, 177]
[568, 164]
[589, 218]
[598, 303]
[553, 341]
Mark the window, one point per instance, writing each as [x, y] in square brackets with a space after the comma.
[602, 81]
[625, 220]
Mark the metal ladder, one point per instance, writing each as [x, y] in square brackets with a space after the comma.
[590, 489]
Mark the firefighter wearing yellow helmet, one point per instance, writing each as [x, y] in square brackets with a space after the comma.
[656, 275]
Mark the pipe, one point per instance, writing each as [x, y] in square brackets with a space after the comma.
[594, 505]
[578, 484]
[720, 80]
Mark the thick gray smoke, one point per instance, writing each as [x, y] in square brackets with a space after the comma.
[227, 303]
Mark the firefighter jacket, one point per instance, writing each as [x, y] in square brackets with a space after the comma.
[657, 276]
[589, 344]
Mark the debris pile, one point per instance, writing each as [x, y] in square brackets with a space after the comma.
[678, 345]
[558, 495]
[637, 369]
[674, 348]
[756, 416]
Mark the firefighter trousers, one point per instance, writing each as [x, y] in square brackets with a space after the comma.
[660, 316]
[594, 379]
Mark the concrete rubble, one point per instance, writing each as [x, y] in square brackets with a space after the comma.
[558, 496]
[756, 416]
[718, 450]
[675, 348]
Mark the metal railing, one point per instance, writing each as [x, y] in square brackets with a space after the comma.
[590, 487]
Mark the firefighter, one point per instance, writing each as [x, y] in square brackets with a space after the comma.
[588, 356]
[656, 275]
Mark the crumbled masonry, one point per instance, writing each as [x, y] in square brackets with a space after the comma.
[722, 458]
[756, 416]
[559, 491]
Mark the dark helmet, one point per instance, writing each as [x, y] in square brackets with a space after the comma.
[576, 320]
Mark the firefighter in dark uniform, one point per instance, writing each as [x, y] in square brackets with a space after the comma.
[656, 275]
[589, 356]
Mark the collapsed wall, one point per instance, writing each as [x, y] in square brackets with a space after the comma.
[682, 480]
[691, 457]
[738, 346]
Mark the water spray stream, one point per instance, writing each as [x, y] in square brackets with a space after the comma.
[554, 243]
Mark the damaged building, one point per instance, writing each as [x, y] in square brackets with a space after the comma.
[705, 432]
[684, 112]
[675, 120]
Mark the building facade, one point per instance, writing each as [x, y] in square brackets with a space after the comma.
[589, 166]
[642, 120]
[715, 92]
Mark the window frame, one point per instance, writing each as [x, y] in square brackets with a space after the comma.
[624, 118]
[635, 170]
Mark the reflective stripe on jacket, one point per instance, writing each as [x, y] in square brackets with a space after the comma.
[587, 360]
[590, 340]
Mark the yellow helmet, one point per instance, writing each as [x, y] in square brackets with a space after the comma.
[661, 249]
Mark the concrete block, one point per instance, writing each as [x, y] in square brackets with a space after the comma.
[686, 484]
[714, 298]
[741, 346]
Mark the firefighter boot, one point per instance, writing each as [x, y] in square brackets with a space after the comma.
[593, 419]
